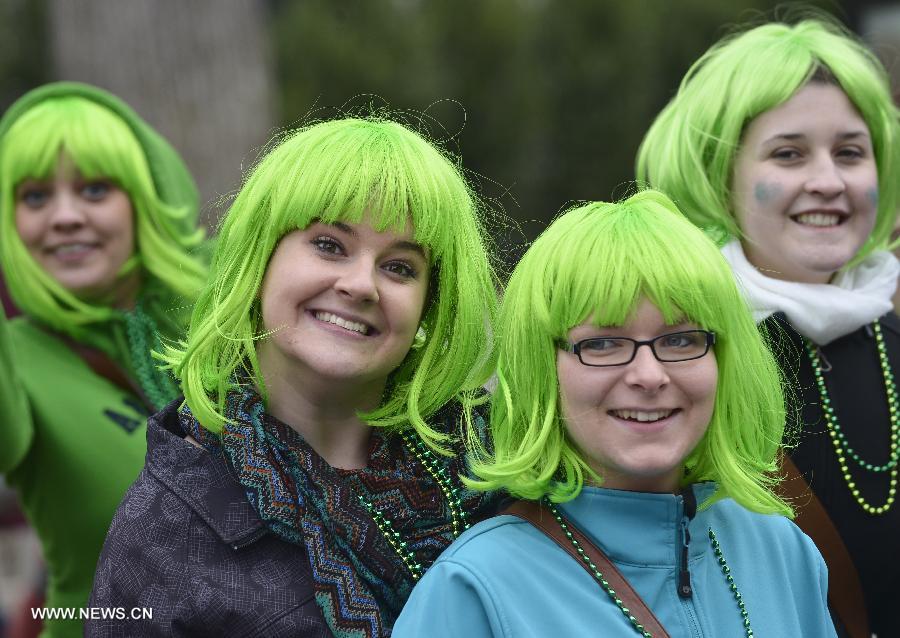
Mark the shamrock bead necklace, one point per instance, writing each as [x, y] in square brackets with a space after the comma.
[604, 584]
[451, 493]
[842, 447]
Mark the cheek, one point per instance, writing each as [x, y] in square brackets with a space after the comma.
[118, 223]
[766, 193]
[30, 226]
[703, 385]
[406, 307]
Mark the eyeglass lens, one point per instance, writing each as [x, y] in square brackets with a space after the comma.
[678, 346]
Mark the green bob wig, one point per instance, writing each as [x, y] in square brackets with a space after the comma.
[103, 137]
[599, 260]
[689, 150]
[343, 170]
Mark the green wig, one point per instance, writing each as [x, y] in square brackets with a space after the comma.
[689, 150]
[598, 260]
[103, 137]
[341, 170]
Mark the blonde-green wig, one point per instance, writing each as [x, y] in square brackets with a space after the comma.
[102, 137]
[689, 151]
[599, 260]
[343, 170]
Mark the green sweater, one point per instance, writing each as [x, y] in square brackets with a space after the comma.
[71, 442]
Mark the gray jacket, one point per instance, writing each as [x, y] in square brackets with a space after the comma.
[186, 544]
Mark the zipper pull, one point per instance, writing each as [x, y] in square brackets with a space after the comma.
[684, 575]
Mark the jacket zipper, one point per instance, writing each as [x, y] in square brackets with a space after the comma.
[683, 585]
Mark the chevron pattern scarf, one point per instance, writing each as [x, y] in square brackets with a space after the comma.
[361, 582]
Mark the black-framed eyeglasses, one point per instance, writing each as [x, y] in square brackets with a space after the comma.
[618, 351]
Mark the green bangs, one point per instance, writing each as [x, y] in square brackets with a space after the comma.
[100, 144]
[347, 170]
[597, 261]
[634, 249]
[689, 150]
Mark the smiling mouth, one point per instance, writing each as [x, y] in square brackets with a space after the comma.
[820, 220]
[72, 251]
[642, 416]
[353, 326]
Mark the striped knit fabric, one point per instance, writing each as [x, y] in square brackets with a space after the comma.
[361, 581]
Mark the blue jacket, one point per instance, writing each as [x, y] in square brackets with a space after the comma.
[504, 577]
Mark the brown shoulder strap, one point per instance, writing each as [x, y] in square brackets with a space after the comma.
[541, 517]
[844, 589]
[103, 366]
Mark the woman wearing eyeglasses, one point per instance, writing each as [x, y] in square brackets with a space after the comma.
[637, 404]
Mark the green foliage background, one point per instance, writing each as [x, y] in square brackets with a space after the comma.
[550, 98]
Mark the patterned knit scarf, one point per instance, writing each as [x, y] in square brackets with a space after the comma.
[361, 582]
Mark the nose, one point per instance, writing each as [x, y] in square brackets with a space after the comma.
[646, 372]
[825, 179]
[357, 282]
[66, 212]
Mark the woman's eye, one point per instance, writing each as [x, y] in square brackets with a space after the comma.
[328, 245]
[601, 345]
[850, 152]
[786, 154]
[95, 191]
[34, 197]
[677, 341]
[401, 268]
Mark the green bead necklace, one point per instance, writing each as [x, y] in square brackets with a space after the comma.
[407, 555]
[604, 584]
[451, 494]
[717, 549]
[426, 457]
[842, 447]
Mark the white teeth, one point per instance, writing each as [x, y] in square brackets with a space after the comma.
[355, 326]
[71, 248]
[642, 416]
[819, 219]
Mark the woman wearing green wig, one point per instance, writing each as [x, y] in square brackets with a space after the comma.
[784, 143]
[346, 322]
[661, 456]
[97, 229]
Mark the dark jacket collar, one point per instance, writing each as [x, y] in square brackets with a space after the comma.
[199, 479]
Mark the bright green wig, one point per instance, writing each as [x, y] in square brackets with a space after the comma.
[599, 260]
[689, 150]
[334, 171]
[103, 137]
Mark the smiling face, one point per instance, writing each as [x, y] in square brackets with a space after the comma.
[343, 303]
[635, 424]
[80, 231]
[805, 188]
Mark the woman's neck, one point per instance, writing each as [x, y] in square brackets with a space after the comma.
[325, 413]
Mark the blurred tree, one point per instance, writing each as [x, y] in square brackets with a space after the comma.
[23, 56]
[550, 99]
[197, 71]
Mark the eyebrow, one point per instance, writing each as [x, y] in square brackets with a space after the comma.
[401, 244]
[849, 135]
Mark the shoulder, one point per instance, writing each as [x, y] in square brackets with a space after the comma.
[488, 546]
[770, 535]
[187, 542]
[891, 324]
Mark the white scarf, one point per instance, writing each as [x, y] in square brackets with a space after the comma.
[820, 312]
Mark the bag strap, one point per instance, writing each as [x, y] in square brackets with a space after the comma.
[844, 588]
[103, 366]
[536, 513]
